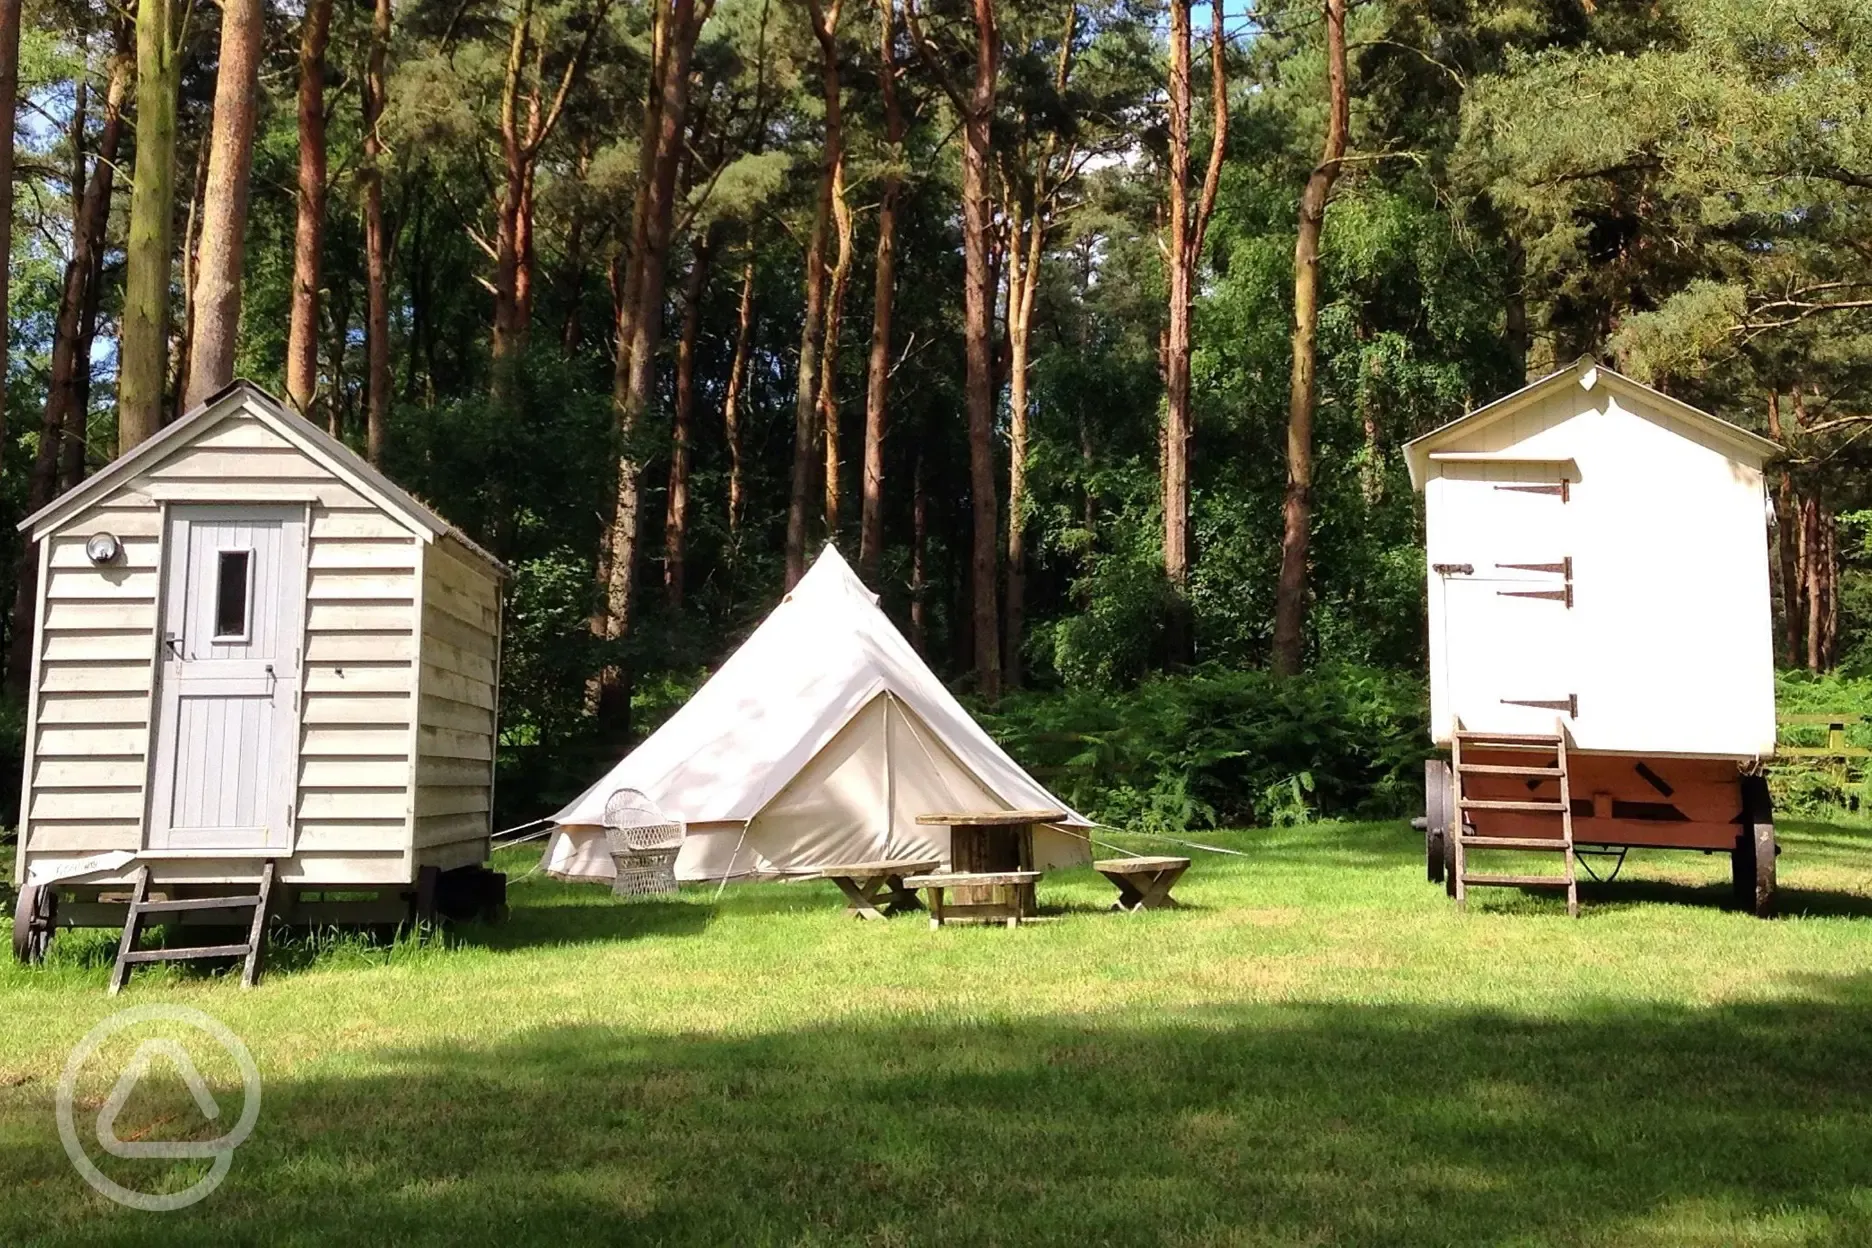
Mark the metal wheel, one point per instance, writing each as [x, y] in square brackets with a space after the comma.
[1437, 797]
[1752, 860]
[35, 918]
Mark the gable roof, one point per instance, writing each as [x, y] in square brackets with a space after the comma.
[1586, 373]
[246, 398]
[823, 655]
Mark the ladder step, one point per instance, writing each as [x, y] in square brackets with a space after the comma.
[1490, 769]
[1513, 842]
[198, 903]
[1483, 738]
[179, 955]
[1552, 808]
[1516, 881]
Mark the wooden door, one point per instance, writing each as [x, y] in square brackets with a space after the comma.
[228, 724]
[1503, 569]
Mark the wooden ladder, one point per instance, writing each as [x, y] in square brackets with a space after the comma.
[128, 955]
[1543, 745]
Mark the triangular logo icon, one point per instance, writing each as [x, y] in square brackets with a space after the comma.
[133, 1072]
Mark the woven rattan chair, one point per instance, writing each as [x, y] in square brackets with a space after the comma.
[644, 843]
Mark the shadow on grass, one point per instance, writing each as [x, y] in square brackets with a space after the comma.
[1278, 1123]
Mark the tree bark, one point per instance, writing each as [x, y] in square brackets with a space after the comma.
[808, 385]
[144, 347]
[634, 380]
[9, 95]
[919, 558]
[1787, 545]
[376, 243]
[976, 106]
[1188, 225]
[884, 291]
[309, 232]
[731, 404]
[825, 29]
[676, 510]
[181, 353]
[224, 210]
[1290, 608]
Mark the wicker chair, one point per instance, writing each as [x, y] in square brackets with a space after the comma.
[644, 843]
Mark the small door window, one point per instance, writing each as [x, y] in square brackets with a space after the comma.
[233, 594]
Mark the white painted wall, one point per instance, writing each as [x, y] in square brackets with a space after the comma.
[1668, 644]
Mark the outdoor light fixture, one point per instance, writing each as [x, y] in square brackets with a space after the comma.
[103, 548]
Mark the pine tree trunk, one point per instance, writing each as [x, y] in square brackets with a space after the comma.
[676, 510]
[508, 229]
[1187, 226]
[309, 232]
[1814, 522]
[812, 329]
[978, 336]
[376, 243]
[1787, 545]
[826, 30]
[9, 95]
[144, 348]
[731, 404]
[878, 367]
[224, 210]
[919, 557]
[182, 348]
[1290, 607]
[1026, 246]
[633, 385]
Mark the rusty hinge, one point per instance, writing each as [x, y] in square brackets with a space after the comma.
[1453, 569]
[1560, 490]
[1563, 594]
[1570, 705]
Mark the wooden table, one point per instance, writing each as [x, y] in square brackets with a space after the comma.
[1003, 904]
[995, 841]
[1143, 883]
[875, 890]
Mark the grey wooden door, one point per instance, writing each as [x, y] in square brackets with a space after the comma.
[227, 728]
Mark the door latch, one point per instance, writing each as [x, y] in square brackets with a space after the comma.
[172, 642]
[1453, 569]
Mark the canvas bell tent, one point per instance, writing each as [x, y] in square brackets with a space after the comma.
[255, 658]
[1601, 658]
[818, 743]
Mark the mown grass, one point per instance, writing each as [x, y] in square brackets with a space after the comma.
[1318, 1051]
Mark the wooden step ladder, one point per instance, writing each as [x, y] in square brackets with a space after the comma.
[1541, 745]
[141, 907]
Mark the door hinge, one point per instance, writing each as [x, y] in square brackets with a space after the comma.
[1564, 569]
[1570, 704]
[1559, 491]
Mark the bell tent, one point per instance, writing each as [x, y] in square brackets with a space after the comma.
[818, 743]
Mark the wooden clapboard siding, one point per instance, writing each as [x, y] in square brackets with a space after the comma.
[458, 693]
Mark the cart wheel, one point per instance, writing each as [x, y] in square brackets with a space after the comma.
[423, 909]
[35, 918]
[1436, 783]
[1752, 861]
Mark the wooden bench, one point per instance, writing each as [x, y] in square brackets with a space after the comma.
[1004, 888]
[1143, 883]
[875, 890]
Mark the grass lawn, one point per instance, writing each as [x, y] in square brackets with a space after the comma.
[1318, 1051]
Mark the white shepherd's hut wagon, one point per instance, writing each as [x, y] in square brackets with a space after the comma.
[261, 673]
[1601, 653]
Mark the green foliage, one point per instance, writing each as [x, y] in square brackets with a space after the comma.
[1822, 787]
[1219, 746]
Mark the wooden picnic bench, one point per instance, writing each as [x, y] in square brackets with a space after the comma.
[1004, 889]
[1143, 883]
[875, 890]
[994, 841]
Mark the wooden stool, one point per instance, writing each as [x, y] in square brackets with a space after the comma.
[1143, 883]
